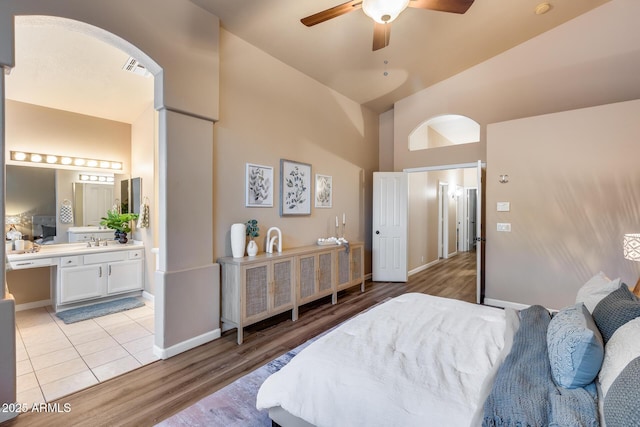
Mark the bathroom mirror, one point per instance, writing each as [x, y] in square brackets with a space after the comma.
[35, 191]
[30, 192]
[136, 192]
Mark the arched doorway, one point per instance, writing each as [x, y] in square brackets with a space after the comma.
[67, 69]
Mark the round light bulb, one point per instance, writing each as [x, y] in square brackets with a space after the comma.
[383, 11]
[52, 159]
[36, 158]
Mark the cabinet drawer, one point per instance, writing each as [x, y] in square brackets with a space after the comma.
[31, 263]
[136, 254]
[70, 261]
[105, 257]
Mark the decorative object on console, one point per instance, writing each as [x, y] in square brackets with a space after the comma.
[259, 186]
[324, 191]
[271, 240]
[252, 232]
[66, 212]
[631, 246]
[238, 238]
[295, 188]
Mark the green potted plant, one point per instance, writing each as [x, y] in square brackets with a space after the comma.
[121, 222]
[253, 232]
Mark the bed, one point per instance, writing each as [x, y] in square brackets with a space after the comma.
[43, 229]
[420, 360]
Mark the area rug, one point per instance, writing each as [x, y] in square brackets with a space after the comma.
[235, 404]
[97, 310]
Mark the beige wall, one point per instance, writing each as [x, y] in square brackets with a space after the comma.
[423, 214]
[29, 285]
[574, 188]
[269, 111]
[144, 147]
[586, 61]
[65, 133]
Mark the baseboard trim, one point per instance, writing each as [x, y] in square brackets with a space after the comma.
[165, 353]
[423, 267]
[505, 304]
[146, 295]
[34, 304]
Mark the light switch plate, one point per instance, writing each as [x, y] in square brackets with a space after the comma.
[504, 226]
[503, 206]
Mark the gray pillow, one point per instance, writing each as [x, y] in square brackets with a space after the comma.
[575, 347]
[616, 309]
[621, 408]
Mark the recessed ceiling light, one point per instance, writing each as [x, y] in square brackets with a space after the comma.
[542, 8]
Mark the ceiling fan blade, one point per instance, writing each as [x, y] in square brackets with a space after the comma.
[333, 12]
[381, 34]
[453, 6]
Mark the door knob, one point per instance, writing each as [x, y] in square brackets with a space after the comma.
[377, 231]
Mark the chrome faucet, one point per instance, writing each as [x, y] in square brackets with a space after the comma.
[271, 241]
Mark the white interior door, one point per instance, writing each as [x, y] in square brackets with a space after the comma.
[389, 242]
[479, 237]
[98, 199]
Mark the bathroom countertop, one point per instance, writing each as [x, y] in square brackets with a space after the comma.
[71, 249]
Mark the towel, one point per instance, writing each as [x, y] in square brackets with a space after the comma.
[66, 212]
[143, 219]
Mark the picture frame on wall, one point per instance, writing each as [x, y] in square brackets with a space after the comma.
[295, 188]
[258, 186]
[324, 191]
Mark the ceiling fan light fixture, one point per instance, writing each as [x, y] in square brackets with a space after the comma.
[384, 11]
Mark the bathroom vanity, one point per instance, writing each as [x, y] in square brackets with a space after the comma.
[258, 287]
[84, 274]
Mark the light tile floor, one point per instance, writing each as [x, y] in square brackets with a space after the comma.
[54, 359]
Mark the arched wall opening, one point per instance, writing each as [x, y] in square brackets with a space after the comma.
[443, 131]
[184, 59]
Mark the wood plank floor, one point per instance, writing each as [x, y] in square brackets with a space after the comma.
[154, 392]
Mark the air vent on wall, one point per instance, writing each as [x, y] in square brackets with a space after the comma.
[133, 66]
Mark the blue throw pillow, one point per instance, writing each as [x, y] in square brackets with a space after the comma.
[621, 407]
[616, 309]
[575, 346]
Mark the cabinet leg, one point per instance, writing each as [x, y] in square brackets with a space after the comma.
[239, 335]
[334, 298]
[294, 313]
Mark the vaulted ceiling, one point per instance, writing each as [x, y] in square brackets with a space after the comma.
[61, 68]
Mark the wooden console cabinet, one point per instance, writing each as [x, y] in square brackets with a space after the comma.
[255, 288]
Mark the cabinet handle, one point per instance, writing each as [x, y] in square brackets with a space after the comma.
[109, 270]
[100, 274]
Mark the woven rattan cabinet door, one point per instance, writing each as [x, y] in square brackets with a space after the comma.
[256, 290]
[283, 279]
[307, 277]
[344, 268]
[325, 271]
[357, 260]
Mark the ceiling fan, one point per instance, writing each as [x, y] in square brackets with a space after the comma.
[384, 11]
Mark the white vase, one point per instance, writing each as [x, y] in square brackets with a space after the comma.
[252, 248]
[238, 233]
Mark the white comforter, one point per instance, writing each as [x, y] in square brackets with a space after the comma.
[416, 360]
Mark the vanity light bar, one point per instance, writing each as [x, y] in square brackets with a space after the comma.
[52, 159]
[106, 179]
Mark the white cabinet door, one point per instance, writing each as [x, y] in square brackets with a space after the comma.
[124, 276]
[79, 283]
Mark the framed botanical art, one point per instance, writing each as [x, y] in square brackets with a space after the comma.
[259, 186]
[295, 188]
[324, 191]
